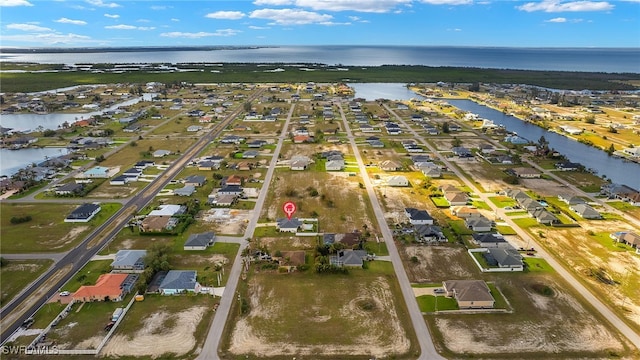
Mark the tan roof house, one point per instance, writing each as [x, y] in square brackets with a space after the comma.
[470, 294]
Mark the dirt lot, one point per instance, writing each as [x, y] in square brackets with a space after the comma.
[162, 333]
[556, 325]
[584, 253]
[227, 221]
[360, 321]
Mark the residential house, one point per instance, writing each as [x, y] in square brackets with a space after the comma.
[231, 180]
[120, 180]
[129, 261]
[161, 153]
[244, 166]
[544, 217]
[627, 237]
[479, 224]
[470, 294]
[524, 172]
[195, 180]
[456, 198]
[186, 190]
[208, 165]
[504, 257]
[334, 165]
[390, 165]
[585, 211]
[194, 128]
[143, 164]
[200, 241]
[622, 192]
[418, 217]
[570, 199]
[234, 190]
[69, 189]
[489, 240]
[461, 151]
[349, 258]
[250, 154]
[568, 166]
[108, 287]
[99, 172]
[292, 225]
[179, 282]
[83, 213]
[465, 212]
[428, 234]
[398, 181]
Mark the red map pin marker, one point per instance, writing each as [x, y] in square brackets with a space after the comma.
[289, 208]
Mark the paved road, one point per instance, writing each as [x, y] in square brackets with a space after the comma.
[212, 342]
[428, 350]
[613, 318]
[80, 255]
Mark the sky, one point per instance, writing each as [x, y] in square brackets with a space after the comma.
[495, 23]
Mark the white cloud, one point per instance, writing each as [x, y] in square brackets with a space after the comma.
[373, 6]
[49, 39]
[201, 34]
[557, 20]
[161, 7]
[447, 2]
[175, 20]
[128, 27]
[226, 15]
[273, 2]
[69, 21]
[291, 16]
[571, 6]
[252, 27]
[100, 3]
[28, 27]
[15, 3]
[112, 16]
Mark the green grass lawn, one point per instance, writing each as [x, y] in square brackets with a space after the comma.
[505, 230]
[526, 222]
[430, 303]
[535, 265]
[502, 201]
[47, 230]
[480, 205]
[16, 274]
[88, 275]
[440, 201]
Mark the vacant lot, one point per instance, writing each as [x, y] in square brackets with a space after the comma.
[544, 323]
[47, 230]
[610, 269]
[17, 274]
[169, 326]
[337, 202]
[310, 315]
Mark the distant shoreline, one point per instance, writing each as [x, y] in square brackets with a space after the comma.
[52, 50]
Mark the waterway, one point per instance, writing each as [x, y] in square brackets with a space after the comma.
[616, 169]
[13, 160]
[30, 122]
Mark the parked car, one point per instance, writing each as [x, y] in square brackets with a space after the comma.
[438, 291]
[65, 293]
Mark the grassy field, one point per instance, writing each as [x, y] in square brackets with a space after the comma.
[251, 73]
[47, 230]
[88, 275]
[17, 274]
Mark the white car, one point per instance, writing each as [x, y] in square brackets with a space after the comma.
[65, 293]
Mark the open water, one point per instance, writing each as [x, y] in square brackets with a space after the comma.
[613, 60]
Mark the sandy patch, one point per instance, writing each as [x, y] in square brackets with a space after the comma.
[68, 238]
[436, 263]
[90, 343]
[155, 339]
[381, 340]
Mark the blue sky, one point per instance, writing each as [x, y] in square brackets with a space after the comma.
[106, 23]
